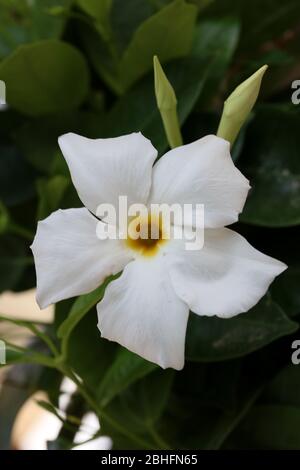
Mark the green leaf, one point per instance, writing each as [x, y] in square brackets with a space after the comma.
[284, 388]
[25, 22]
[128, 115]
[45, 77]
[270, 427]
[161, 35]
[189, 77]
[51, 193]
[37, 138]
[89, 355]
[126, 369]
[125, 19]
[216, 339]
[271, 162]
[264, 21]
[157, 35]
[100, 11]
[215, 434]
[215, 41]
[80, 308]
[96, 9]
[138, 410]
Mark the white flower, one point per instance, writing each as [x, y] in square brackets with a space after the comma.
[146, 309]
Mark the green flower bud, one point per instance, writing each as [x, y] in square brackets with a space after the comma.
[167, 104]
[238, 106]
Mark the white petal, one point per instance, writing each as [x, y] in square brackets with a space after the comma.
[141, 311]
[202, 172]
[69, 258]
[228, 276]
[103, 169]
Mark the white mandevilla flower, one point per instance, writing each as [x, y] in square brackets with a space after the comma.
[146, 309]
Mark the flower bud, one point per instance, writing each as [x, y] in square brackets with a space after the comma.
[167, 104]
[238, 106]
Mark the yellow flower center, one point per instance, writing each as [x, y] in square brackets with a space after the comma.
[146, 235]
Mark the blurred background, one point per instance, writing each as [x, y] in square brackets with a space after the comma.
[86, 66]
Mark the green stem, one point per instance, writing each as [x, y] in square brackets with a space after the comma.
[94, 405]
[47, 340]
[171, 126]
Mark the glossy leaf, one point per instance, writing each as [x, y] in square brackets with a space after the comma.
[56, 80]
[271, 162]
[79, 309]
[126, 369]
[138, 410]
[156, 36]
[215, 339]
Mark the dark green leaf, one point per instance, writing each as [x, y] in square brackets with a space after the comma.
[264, 21]
[215, 41]
[160, 35]
[215, 339]
[80, 308]
[126, 369]
[273, 427]
[284, 388]
[88, 354]
[271, 162]
[125, 19]
[138, 410]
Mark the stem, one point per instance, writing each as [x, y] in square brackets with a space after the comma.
[75, 407]
[172, 128]
[47, 340]
[94, 405]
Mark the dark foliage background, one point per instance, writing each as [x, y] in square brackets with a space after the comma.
[86, 66]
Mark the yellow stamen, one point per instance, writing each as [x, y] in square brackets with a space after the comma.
[146, 235]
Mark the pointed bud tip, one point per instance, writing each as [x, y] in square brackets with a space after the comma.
[165, 95]
[254, 82]
[239, 105]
